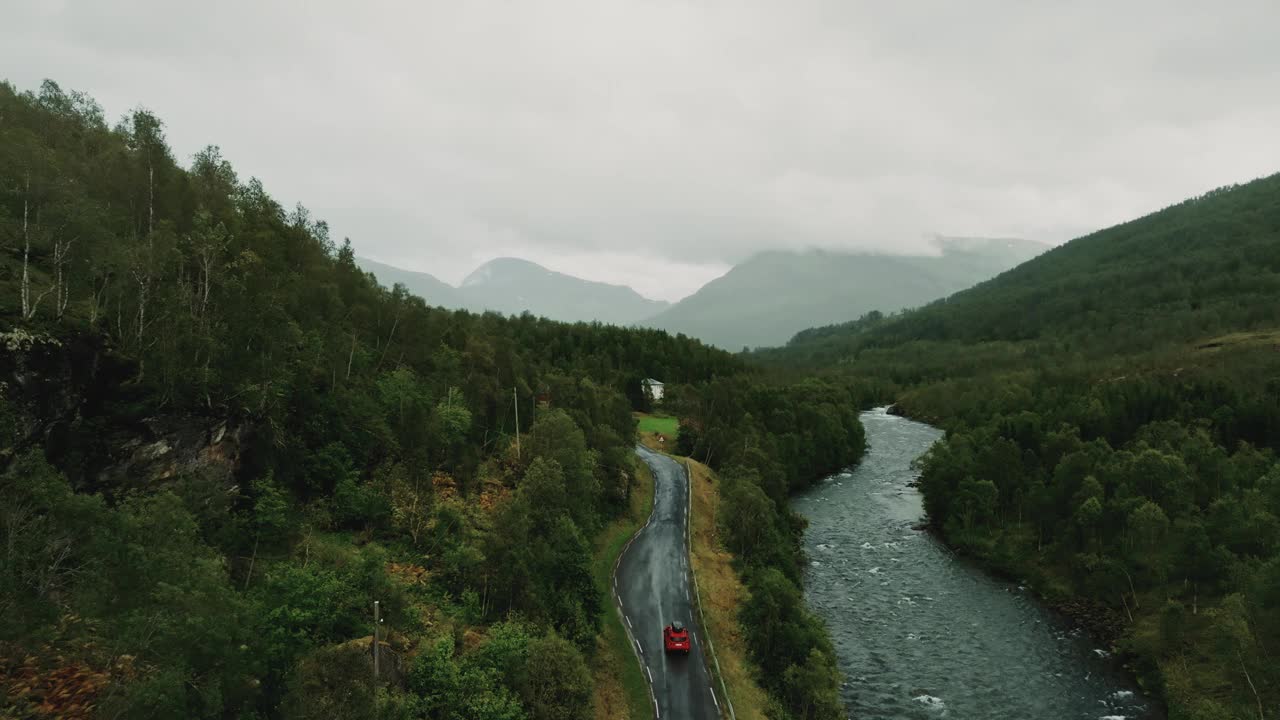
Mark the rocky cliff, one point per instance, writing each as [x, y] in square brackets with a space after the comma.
[84, 403]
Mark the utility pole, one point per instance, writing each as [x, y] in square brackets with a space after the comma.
[377, 620]
[515, 401]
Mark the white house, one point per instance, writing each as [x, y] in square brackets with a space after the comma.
[653, 388]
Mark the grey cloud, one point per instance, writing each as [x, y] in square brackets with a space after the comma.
[656, 142]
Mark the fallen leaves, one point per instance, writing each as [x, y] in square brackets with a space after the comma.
[408, 572]
[67, 690]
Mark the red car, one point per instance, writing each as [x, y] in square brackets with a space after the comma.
[675, 638]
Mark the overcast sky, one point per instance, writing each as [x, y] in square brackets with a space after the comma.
[655, 143]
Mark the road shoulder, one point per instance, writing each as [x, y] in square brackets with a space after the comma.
[620, 687]
[722, 594]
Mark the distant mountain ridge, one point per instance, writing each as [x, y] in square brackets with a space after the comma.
[425, 285]
[773, 295]
[513, 286]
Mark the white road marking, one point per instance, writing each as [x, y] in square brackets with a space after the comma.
[663, 491]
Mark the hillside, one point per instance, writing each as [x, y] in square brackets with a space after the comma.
[221, 443]
[1113, 417]
[770, 297]
[1206, 266]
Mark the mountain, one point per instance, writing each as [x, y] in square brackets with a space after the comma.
[1112, 410]
[773, 295]
[425, 285]
[513, 286]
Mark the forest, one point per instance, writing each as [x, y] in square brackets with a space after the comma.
[1112, 411]
[222, 442]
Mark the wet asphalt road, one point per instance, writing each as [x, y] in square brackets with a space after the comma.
[653, 587]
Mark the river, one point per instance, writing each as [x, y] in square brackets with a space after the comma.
[920, 634]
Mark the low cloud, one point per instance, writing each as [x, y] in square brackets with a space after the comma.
[656, 143]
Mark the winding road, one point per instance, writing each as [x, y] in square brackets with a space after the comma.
[652, 587]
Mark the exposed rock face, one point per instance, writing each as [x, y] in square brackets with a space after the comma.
[170, 446]
[34, 378]
[82, 401]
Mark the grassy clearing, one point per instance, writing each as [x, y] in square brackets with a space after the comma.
[659, 423]
[620, 690]
[664, 424]
[722, 594]
[651, 427]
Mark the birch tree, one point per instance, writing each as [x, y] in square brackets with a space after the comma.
[146, 140]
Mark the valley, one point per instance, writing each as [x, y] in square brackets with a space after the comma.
[871, 470]
[1112, 418]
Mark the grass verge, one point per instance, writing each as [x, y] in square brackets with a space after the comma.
[722, 594]
[620, 690]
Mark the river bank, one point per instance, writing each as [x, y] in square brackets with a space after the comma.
[922, 633]
[1102, 622]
